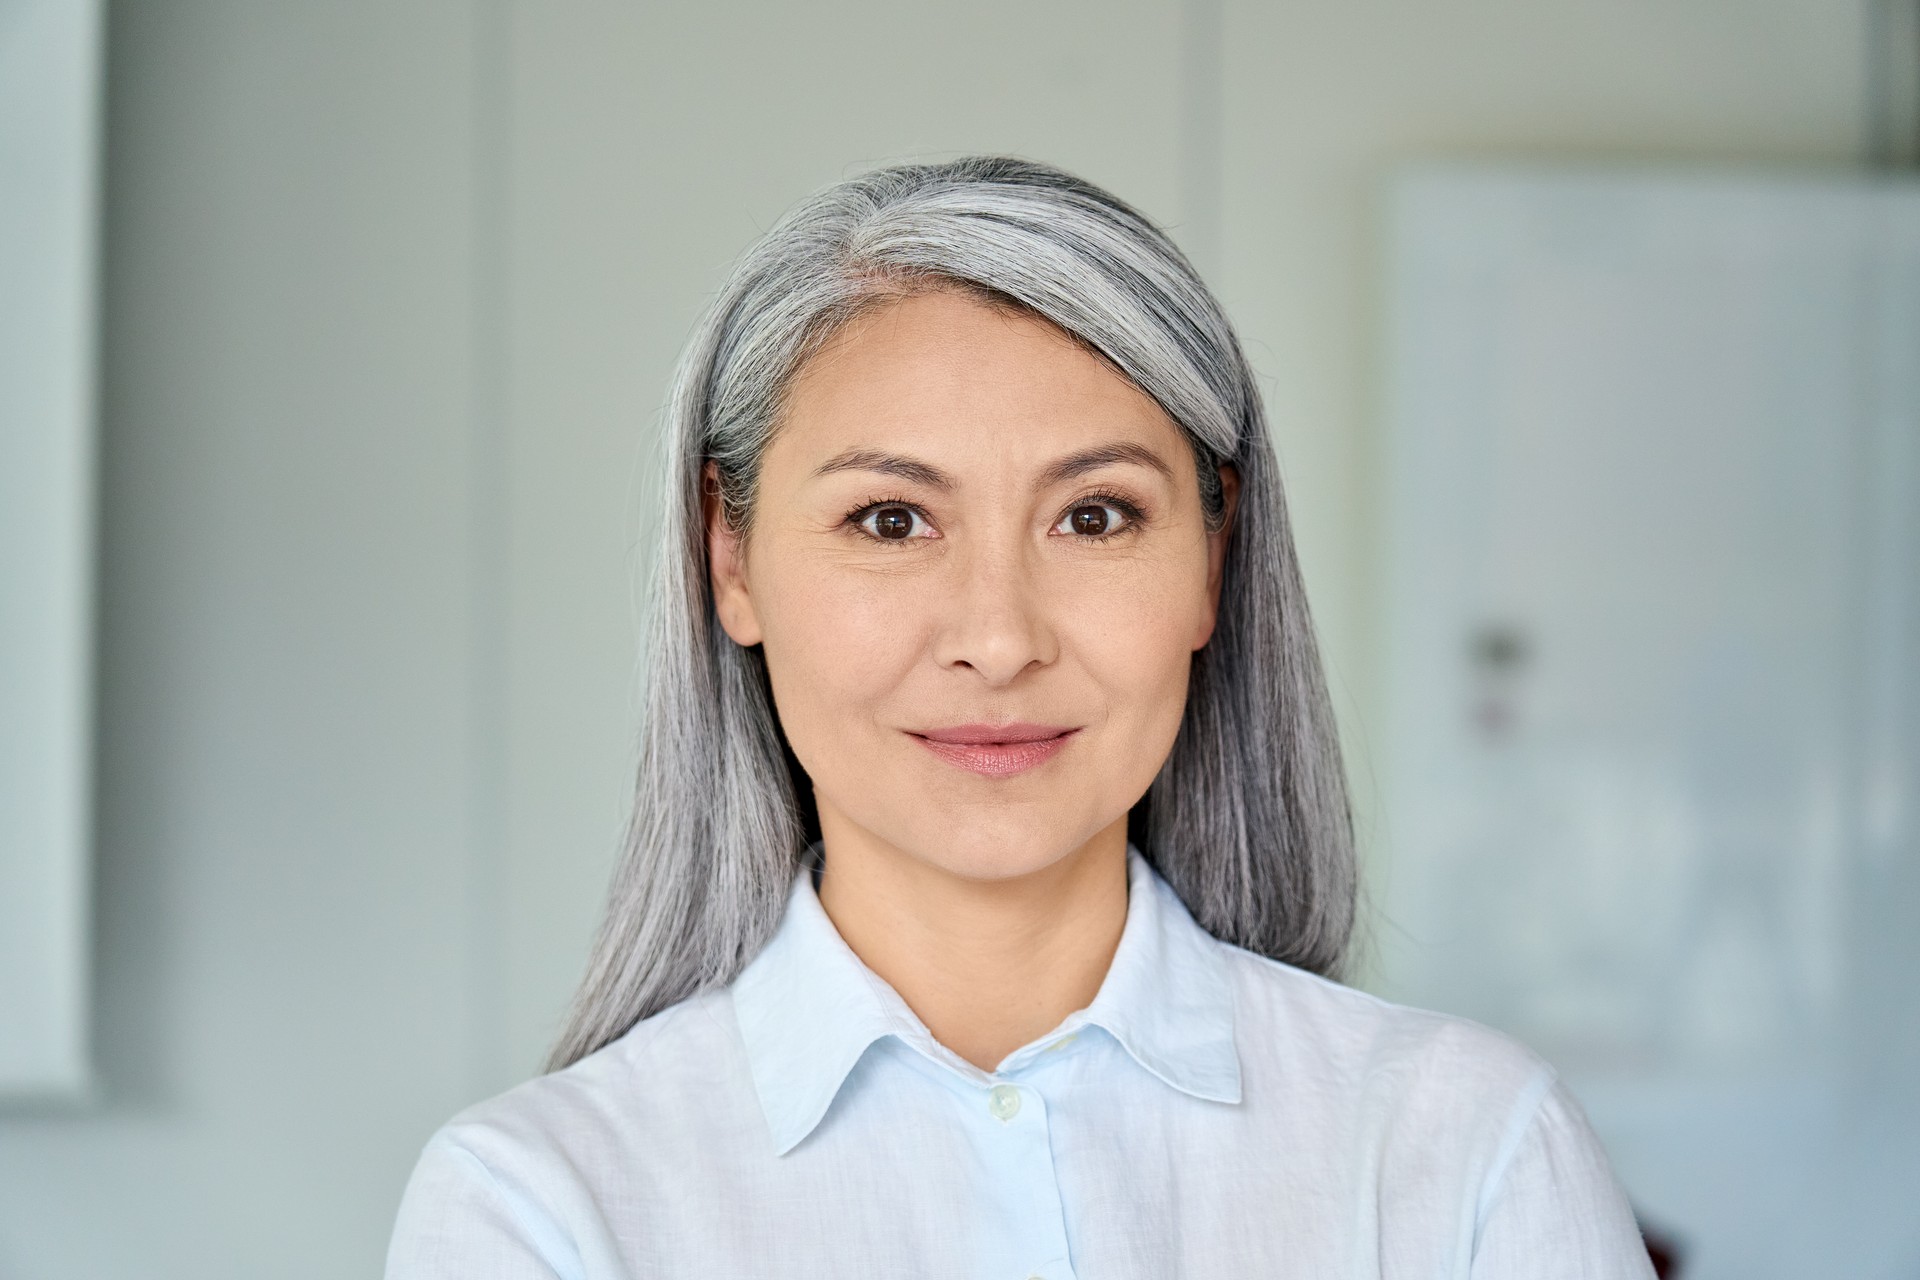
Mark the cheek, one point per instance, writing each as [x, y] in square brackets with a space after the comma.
[837, 645]
[1133, 633]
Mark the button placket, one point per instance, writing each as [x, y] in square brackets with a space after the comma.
[1019, 1118]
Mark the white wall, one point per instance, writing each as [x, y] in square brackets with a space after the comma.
[50, 91]
[285, 724]
[1322, 100]
[392, 293]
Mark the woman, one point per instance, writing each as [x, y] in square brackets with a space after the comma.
[991, 857]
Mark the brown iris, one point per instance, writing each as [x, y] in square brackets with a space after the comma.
[893, 522]
[1089, 520]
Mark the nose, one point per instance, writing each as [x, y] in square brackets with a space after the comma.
[994, 622]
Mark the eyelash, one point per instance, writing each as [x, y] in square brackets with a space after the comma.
[1128, 508]
[856, 517]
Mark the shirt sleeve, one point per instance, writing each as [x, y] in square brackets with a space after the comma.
[459, 1221]
[1554, 1210]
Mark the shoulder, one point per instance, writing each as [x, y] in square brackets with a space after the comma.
[661, 1069]
[525, 1176]
[571, 1135]
[1404, 1075]
[1327, 1022]
[1456, 1131]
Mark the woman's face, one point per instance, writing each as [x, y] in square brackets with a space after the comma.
[979, 568]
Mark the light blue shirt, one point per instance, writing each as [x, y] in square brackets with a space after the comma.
[1212, 1113]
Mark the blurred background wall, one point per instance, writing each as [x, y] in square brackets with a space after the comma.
[391, 293]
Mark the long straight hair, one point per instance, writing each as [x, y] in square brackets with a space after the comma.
[1248, 819]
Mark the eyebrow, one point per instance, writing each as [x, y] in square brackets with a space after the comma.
[1075, 465]
[1071, 467]
[886, 464]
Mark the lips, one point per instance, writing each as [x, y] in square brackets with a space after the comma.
[996, 751]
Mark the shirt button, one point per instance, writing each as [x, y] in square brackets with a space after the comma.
[1004, 1102]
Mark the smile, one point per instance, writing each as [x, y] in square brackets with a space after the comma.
[997, 751]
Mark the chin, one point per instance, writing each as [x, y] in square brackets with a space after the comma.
[995, 846]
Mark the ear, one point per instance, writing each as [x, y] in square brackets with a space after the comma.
[1217, 542]
[726, 564]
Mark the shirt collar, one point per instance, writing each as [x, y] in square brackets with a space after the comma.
[809, 1009]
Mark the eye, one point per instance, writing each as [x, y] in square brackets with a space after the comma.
[895, 522]
[1094, 520]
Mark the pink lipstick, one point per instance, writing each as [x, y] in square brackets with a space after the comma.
[997, 750]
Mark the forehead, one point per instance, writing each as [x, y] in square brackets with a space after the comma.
[946, 374]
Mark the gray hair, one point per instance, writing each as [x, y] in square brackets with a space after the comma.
[1248, 819]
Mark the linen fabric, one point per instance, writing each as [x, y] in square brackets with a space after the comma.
[1211, 1114]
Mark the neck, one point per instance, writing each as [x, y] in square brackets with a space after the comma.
[987, 964]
